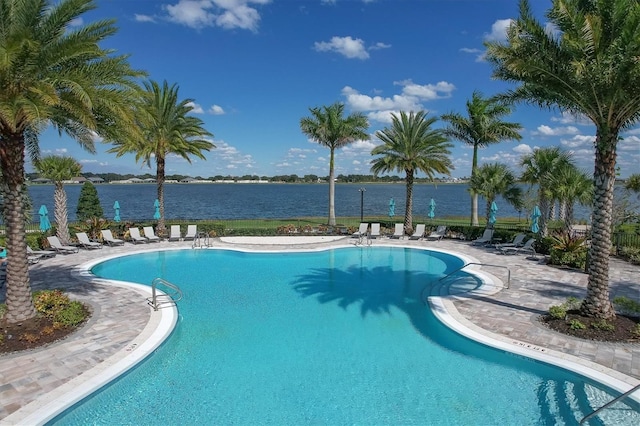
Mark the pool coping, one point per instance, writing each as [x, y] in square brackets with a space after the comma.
[163, 321]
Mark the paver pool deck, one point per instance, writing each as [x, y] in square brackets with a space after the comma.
[122, 320]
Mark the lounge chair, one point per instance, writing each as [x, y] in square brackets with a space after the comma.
[174, 234]
[42, 254]
[55, 243]
[85, 242]
[419, 232]
[526, 248]
[437, 234]
[362, 230]
[150, 235]
[398, 231]
[375, 230]
[107, 236]
[486, 238]
[134, 234]
[192, 232]
[518, 241]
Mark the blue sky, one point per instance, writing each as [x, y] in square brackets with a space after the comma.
[254, 68]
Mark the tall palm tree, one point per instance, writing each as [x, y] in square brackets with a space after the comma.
[539, 167]
[493, 180]
[411, 145]
[589, 66]
[570, 185]
[53, 72]
[167, 128]
[59, 169]
[328, 127]
[483, 126]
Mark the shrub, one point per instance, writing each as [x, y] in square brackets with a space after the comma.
[71, 315]
[569, 251]
[29, 337]
[558, 312]
[626, 304]
[603, 325]
[576, 325]
[631, 254]
[543, 245]
[55, 305]
[3, 310]
[636, 331]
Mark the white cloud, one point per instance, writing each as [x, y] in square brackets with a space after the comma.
[498, 30]
[556, 131]
[567, 118]
[346, 46]
[228, 14]
[143, 18]
[195, 108]
[216, 110]
[78, 22]
[578, 141]
[470, 50]
[379, 46]
[523, 148]
[380, 108]
[88, 161]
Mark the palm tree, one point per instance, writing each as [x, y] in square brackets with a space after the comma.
[328, 127]
[570, 185]
[633, 183]
[539, 167]
[59, 169]
[167, 128]
[589, 66]
[493, 180]
[482, 127]
[412, 145]
[55, 73]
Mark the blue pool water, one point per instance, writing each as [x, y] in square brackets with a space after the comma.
[329, 338]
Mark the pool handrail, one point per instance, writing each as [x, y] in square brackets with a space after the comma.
[610, 403]
[173, 297]
[423, 298]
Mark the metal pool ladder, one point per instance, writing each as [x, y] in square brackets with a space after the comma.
[167, 298]
[610, 403]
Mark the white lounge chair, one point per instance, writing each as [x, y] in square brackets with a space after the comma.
[134, 234]
[375, 230]
[419, 232]
[150, 235]
[362, 230]
[518, 241]
[486, 238]
[526, 248]
[85, 242]
[438, 233]
[42, 254]
[174, 234]
[107, 236]
[55, 243]
[192, 232]
[398, 231]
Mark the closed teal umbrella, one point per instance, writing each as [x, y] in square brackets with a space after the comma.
[535, 215]
[432, 209]
[45, 224]
[492, 213]
[116, 207]
[156, 214]
[392, 207]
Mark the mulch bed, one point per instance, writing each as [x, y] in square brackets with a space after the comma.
[30, 334]
[622, 332]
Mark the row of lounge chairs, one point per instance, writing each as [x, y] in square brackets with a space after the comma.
[363, 230]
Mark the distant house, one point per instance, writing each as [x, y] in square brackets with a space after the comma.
[187, 180]
[149, 180]
[41, 180]
[96, 180]
[135, 180]
[78, 179]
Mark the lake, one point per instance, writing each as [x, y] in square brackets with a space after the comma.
[272, 200]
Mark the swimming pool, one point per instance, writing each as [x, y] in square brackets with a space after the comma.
[329, 337]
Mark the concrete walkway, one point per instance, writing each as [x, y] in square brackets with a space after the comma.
[121, 315]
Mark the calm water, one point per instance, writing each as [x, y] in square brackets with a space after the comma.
[338, 337]
[247, 201]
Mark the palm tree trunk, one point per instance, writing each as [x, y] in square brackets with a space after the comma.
[18, 291]
[161, 229]
[474, 197]
[568, 216]
[488, 211]
[332, 191]
[408, 212]
[596, 302]
[61, 214]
